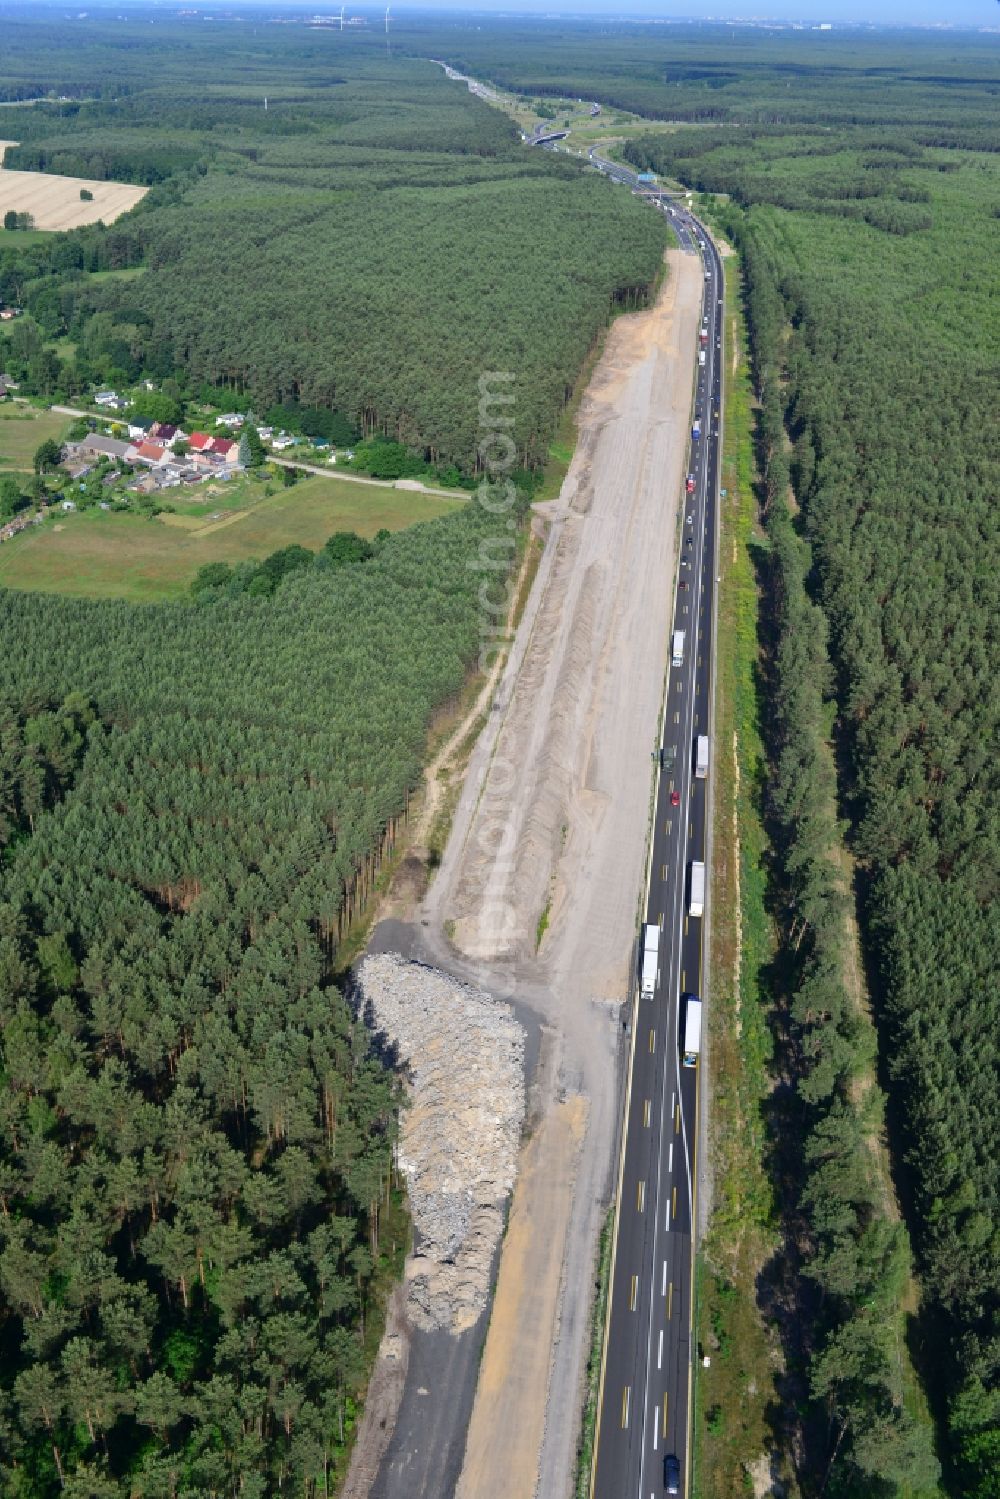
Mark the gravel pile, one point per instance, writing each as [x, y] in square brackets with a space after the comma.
[464, 1053]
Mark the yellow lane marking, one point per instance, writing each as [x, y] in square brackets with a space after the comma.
[652, 1040]
[645, 1113]
[626, 1400]
[670, 1301]
[673, 1204]
[633, 1293]
[677, 1130]
[665, 1399]
[640, 1197]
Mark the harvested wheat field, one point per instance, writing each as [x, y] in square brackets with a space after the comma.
[55, 202]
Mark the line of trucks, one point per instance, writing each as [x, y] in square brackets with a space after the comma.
[650, 965]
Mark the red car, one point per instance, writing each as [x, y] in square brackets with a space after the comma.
[690, 484]
[675, 798]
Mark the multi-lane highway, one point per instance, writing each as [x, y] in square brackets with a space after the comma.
[643, 1416]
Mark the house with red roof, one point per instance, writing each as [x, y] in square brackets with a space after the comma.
[153, 453]
[200, 442]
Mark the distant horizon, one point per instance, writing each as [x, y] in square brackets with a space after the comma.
[915, 15]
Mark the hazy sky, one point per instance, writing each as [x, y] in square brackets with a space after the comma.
[893, 12]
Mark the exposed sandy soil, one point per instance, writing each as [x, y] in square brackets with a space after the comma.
[55, 202]
[555, 809]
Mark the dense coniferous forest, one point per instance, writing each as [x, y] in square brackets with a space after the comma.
[943, 88]
[197, 1142]
[371, 242]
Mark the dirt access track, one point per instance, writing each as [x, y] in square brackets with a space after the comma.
[550, 836]
[55, 203]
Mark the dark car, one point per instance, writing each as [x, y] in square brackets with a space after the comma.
[671, 1474]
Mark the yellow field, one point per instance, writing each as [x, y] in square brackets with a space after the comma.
[55, 202]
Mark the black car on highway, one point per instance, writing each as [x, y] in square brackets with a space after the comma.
[671, 1474]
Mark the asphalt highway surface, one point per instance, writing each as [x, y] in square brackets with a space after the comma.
[644, 1410]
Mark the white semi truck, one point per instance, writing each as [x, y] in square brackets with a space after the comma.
[696, 906]
[650, 959]
[701, 757]
[692, 1031]
[677, 653]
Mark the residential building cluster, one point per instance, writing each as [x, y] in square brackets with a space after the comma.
[162, 455]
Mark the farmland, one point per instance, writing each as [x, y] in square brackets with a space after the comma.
[22, 430]
[54, 202]
[97, 554]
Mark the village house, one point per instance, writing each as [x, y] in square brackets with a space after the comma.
[230, 419]
[106, 447]
[153, 453]
[139, 428]
[7, 314]
[7, 385]
[167, 434]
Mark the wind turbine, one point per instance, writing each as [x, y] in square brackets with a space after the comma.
[341, 18]
[387, 20]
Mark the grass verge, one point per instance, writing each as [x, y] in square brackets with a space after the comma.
[585, 1451]
[730, 1429]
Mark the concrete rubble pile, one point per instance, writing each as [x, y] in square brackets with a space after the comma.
[464, 1054]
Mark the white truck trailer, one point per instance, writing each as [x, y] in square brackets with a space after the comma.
[692, 1031]
[696, 906]
[677, 653]
[701, 757]
[650, 959]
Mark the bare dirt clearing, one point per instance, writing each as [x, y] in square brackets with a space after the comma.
[555, 810]
[55, 202]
